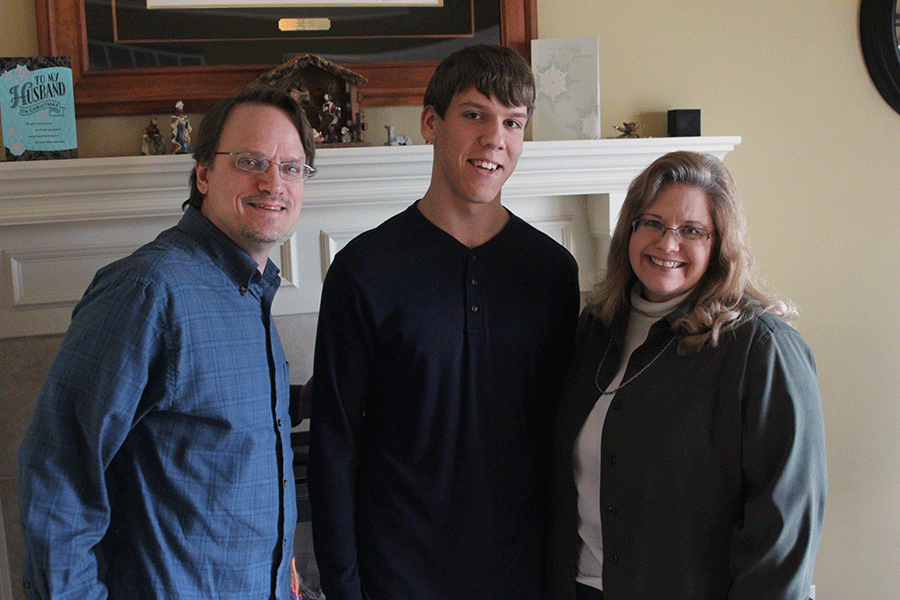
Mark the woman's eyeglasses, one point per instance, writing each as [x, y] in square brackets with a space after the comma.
[685, 232]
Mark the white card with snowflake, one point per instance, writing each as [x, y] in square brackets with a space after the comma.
[567, 80]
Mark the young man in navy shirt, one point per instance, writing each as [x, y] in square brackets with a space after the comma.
[443, 339]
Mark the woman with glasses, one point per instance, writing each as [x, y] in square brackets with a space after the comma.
[689, 447]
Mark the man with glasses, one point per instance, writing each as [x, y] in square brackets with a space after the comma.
[158, 463]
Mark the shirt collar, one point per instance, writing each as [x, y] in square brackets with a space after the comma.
[237, 265]
[444, 238]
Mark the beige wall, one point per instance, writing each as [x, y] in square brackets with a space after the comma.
[818, 171]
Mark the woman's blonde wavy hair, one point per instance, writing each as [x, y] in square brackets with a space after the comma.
[730, 292]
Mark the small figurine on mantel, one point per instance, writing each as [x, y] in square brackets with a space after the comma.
[395, 139]
[181, 130]
[329, 116]
[629, 130]
[151, 141]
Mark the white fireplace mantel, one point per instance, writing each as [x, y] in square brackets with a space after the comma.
[62, 220]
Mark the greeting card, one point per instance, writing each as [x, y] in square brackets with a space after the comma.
[37, 108]
[567, 81]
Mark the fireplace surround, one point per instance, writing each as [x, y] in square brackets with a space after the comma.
[62, 220]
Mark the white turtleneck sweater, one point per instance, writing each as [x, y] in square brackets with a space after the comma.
[587, 447]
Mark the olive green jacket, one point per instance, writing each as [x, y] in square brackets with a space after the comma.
[713, 476]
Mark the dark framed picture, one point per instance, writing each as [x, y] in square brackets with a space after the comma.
[139, 56]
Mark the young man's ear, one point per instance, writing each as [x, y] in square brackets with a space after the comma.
[427, 123]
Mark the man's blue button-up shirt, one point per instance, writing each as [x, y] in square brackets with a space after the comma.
[158, 460]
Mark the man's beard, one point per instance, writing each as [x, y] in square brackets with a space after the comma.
[258, 237]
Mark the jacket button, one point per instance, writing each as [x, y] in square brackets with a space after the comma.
[617, 405]
[613, 559]
[611, 459]
[611, 511]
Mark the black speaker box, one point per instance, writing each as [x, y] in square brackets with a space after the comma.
[684, 122]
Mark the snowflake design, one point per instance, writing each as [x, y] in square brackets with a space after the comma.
[22, 72]
[589, 126]
[42, 116]
[18, 149]
[9, 75]
[552, 82]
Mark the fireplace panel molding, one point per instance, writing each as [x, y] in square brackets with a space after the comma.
[61, 220]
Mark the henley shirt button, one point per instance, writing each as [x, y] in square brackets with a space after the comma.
[284, 483]
[243, 290]
[475, 308]
[279, 422]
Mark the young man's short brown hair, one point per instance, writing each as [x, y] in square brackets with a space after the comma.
[495, 71]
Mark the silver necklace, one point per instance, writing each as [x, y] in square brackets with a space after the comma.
[630, 379]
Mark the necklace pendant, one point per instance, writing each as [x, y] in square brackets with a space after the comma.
[630, 379]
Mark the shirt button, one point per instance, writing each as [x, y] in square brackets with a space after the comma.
[473, 281]
[279, 422]
[611, 459]
[613, 559]
[611, 511]
[617, 405]
[284, 483]
[475, 308]
[243, 290]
